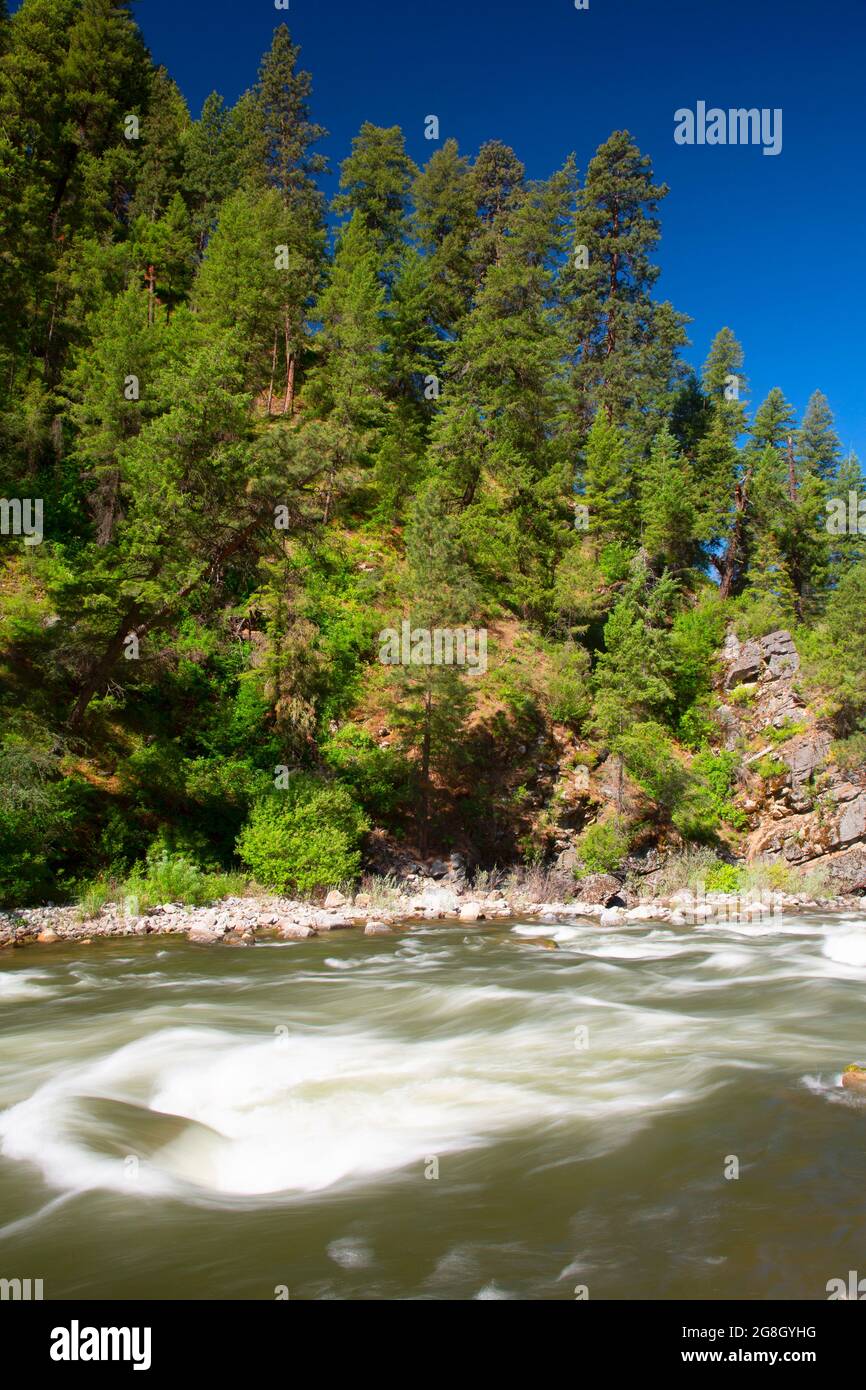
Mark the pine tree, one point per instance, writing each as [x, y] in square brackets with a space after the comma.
[375, 181]
[498, 187]
[444, 222]
[260, 273]
[667, 505]
[774, 421]
[609, 483]
[724, 382]
[432, 701]
[164, 129]
[212, 165]
[633, 674]
[847, 539]
[495, 440]
[818, 447]
[277, 128]
[345, 389]
[623, 346]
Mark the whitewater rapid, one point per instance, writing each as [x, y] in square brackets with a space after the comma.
[331, 1065]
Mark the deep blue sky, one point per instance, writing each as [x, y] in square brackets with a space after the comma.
[773, 247]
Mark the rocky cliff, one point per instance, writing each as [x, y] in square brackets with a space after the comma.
[802, 807]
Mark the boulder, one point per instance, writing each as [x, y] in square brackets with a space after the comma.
[854, 1078]
[613, 917]
[470, 912]
[296, 931]
[852, 822]
[330, 921]
[744, 664]
[805, 754]
[376, 928]
[205, 936]
[335, 899]
[48, 935]
[598, 888]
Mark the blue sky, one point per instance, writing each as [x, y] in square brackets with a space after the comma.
[771, 247]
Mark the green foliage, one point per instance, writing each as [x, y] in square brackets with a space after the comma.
[743, 695]
[724, 878]
[380, 779]
[304, 838]
[717, 771]
[256, 449]
[602, 847]
[771, 767]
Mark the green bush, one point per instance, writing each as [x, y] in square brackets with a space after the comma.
[716, 771]
[304, 838]
[771, 767]
[379, 778]
[788, 730]
[172, 878]
[602, 847]
[163, 878]
[724, 878]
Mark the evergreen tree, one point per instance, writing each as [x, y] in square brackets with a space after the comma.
[497, 185]
[818, 447]
[633, 674]
[260, 272]
[667, 505]
[774, 421]
[432, 701]
[276, 127]
[623, 346]
[608, 483]
[375, 181]
[346, 387]
[444, 222]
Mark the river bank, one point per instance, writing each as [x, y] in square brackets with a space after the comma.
[243, 920]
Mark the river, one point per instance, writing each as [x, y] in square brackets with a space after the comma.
[448, 1113]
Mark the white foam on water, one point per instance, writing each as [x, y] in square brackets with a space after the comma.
[24, 984]
[847, 947]
[350, 1253]
[387, 1066]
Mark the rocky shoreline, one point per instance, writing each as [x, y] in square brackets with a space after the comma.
[241, 920]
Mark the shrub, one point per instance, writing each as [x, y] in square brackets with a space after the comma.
[771, 767]
[172, 878]
[724, 878]
[379, 778]
[850, 753]
[685, 868]
[742, 695]
[163, 878]
[716, 771]
[602, 847]
[304, 838]
[787, 730]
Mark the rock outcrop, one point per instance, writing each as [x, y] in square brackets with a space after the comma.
[803, 810]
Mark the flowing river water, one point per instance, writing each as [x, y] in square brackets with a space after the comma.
[445, 1113]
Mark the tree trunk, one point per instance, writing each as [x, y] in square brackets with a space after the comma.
[792, 473]
[732, 553]
[273, 370]
[289, 399]
[425, 774]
